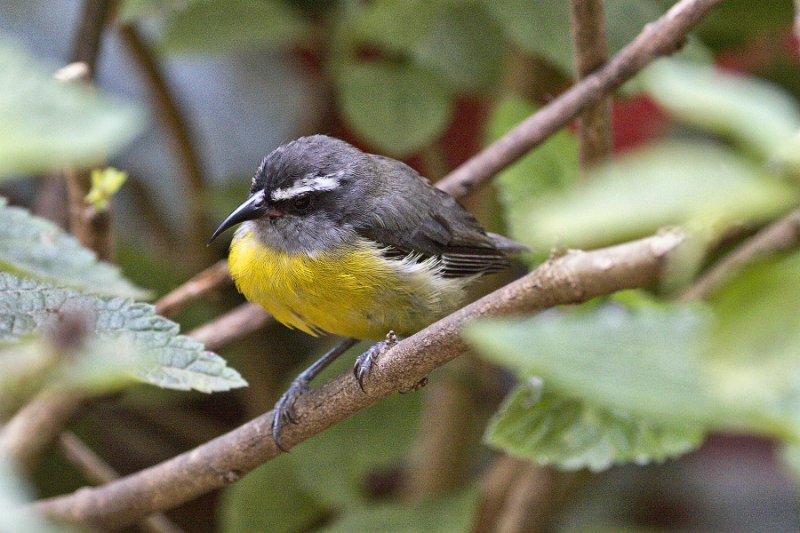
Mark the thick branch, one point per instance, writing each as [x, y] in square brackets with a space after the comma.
[590, 53]
[574, 277]
[658, 38]
[98, 471]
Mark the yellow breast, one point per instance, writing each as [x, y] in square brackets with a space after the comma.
[353, 292]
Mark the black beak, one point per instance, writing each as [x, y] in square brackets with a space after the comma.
[253, 207]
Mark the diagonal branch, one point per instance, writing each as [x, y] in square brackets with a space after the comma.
[571, 278]
[658, 38]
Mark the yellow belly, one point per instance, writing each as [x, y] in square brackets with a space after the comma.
[357, 293]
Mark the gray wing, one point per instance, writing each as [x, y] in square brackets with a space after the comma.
[416, 220]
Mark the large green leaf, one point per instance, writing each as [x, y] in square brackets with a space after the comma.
[752, 111]
[28, 307]
[224, 26]
[700, 185]
[447, 514]
[46, 125]
[464, 45]
[396, 107]
[269, 499]
[543, 26]
[553, 166]
[34, 247]
[671, 366]
[391, 25]
[572, 434]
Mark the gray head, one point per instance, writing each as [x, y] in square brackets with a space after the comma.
[306, 195]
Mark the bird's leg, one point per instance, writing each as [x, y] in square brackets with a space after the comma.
[284, 408]
[365, 360]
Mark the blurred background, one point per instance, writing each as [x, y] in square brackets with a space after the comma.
[222, 83]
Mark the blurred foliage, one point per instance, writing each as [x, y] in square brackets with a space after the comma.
[46, 125]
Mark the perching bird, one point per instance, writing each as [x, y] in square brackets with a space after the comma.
[335, 240]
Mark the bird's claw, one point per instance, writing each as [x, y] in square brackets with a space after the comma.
[365, 361]
[284, 409]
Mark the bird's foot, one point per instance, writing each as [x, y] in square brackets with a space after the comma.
[365, 361]
[284, 409]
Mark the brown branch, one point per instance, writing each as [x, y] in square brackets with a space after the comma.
[781, 235]
[528, 502]
[590, 53]
[199, 285]
[232, 326]
[571, 278]
[450, 429]
[169, 113]
[97, 471]
[34, 427]
[93, 229]
[658, 38]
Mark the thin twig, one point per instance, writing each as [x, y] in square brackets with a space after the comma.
[199, 285]
[590, 53]
[233, 325]
[97, 472]
[658, 38]
[783, 234]
[571, 278]
[169, 113]
[92, 228]
[34, 427]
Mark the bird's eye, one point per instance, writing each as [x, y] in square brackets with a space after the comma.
[302, 202]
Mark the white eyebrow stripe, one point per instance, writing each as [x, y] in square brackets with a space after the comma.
[315, 184]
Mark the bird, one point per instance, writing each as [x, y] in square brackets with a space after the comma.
[334, 240]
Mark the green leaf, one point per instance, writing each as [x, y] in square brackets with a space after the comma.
[220, 27]
[134, 10]
[659, 364]
[464, 45]
[46, 125]
[542, 27]
[573, 434]
[333, 466]
[699, 185]
[758, 114]
[34, 247]
[553, 166]
[723, 27]
[755, 345]
[394, 26]
[398, 108]
[447, 514]
[175, 361]
[269, 499]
